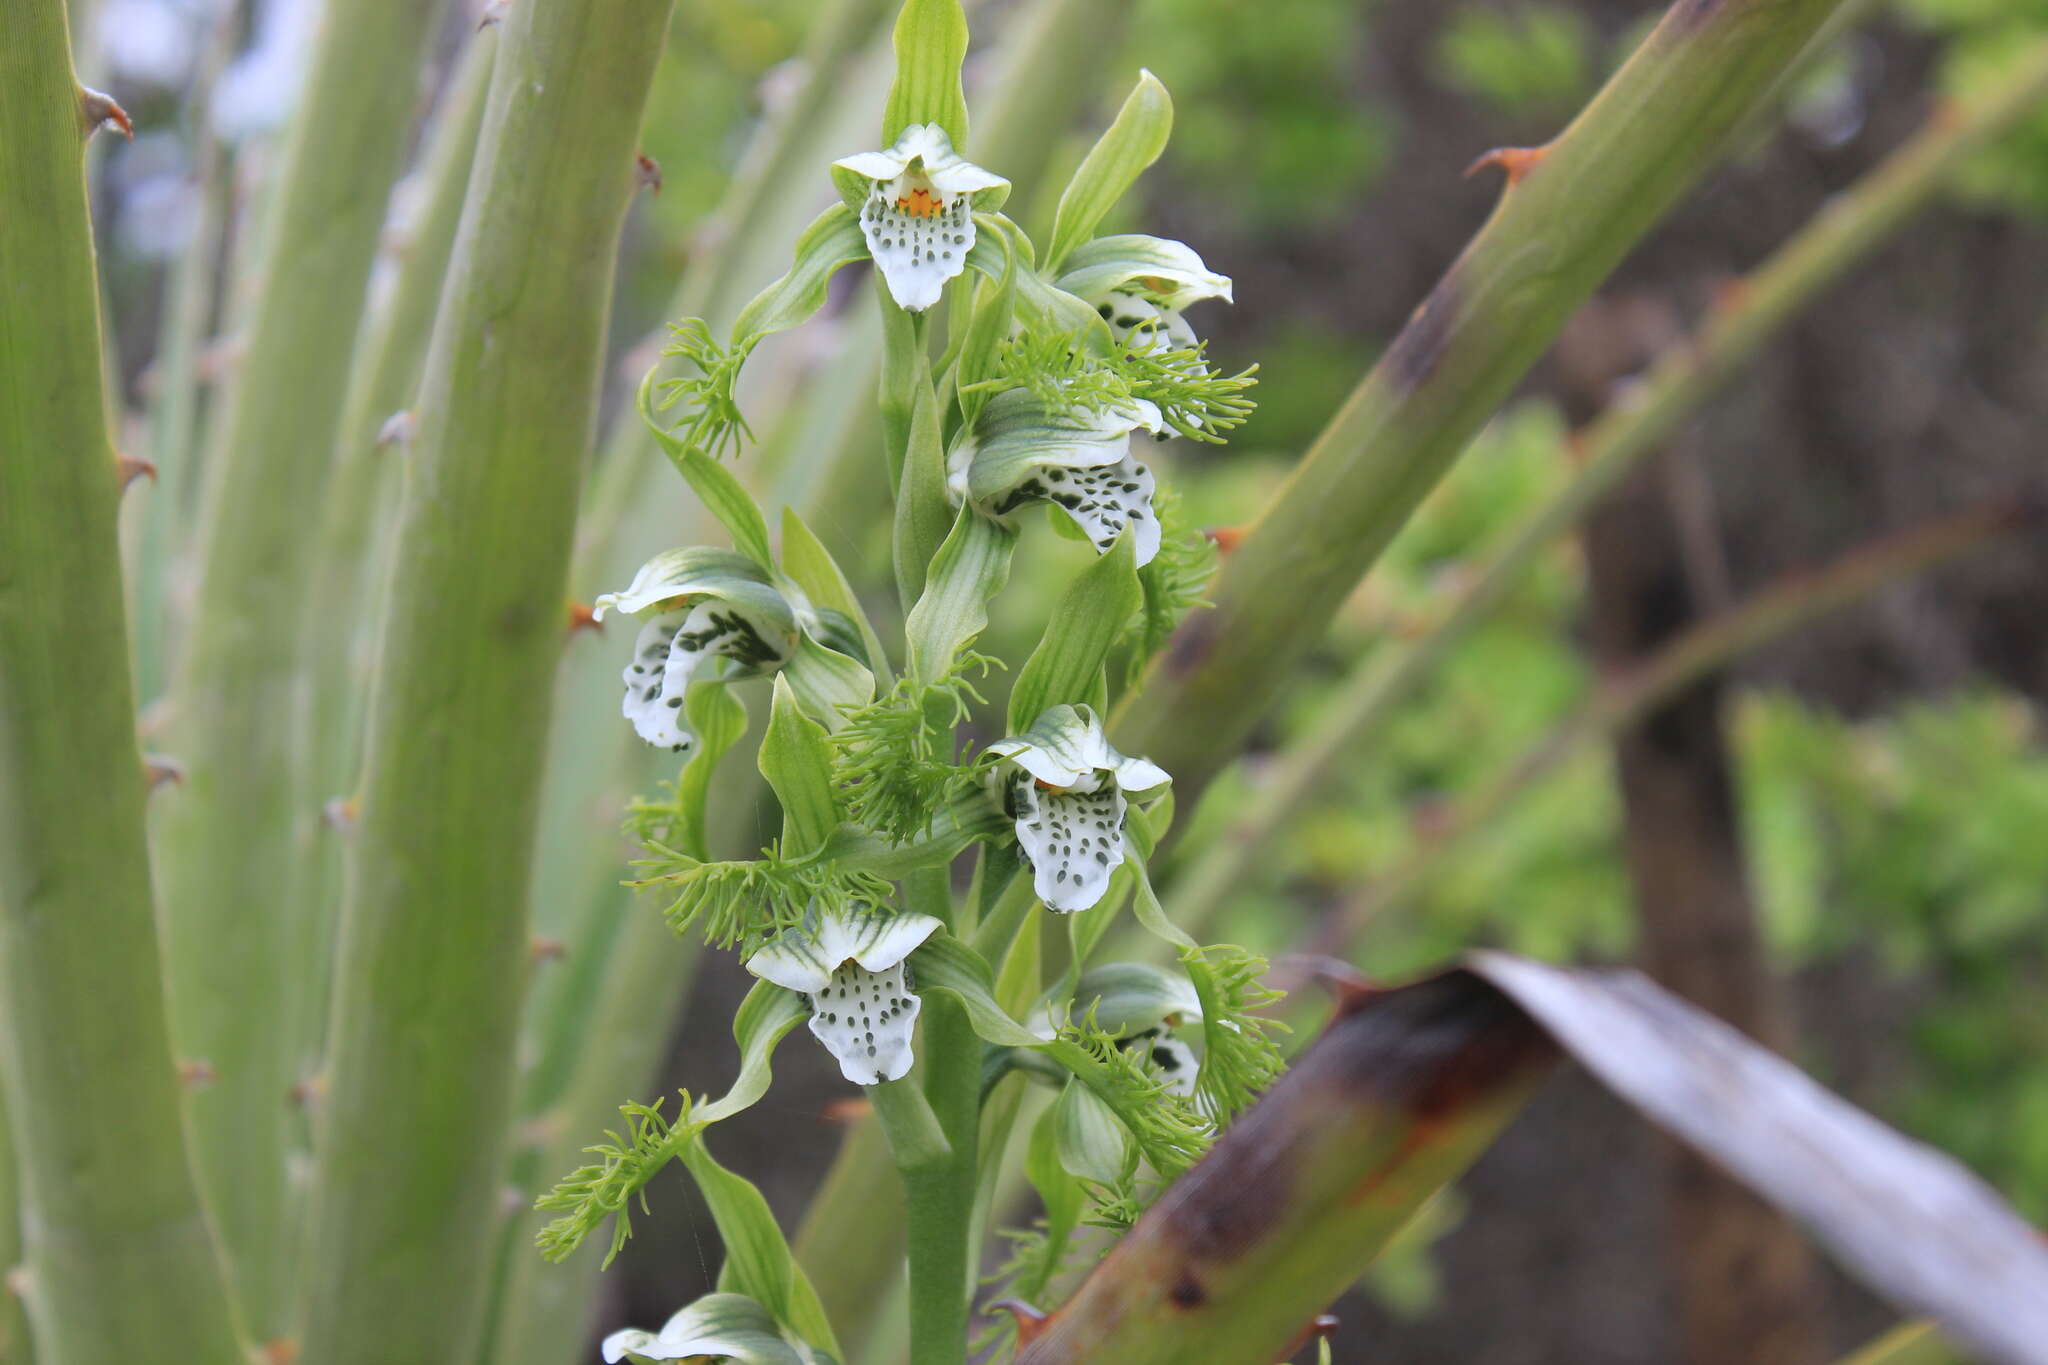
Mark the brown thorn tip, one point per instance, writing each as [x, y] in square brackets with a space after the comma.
[1226, 538]
[160, 770]
[1030, 1321]
[19, 1280]
[543, 949]
[1729, 294]
[278, 1351]
[647, 172]
[196, 1074]
[493, 13]
[847, 1111]
[96, 109]
[341, 813]
[307, 1093]
[1319, 1326]
[1516, 161]
[133, 468]
[583, 616]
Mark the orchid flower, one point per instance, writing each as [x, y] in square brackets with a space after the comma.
[1140, 1005]
[1078, 459]
[713, 602]
[917, 218]
[1140, 285]
[715, 1327]
[1065, 787]
[850, 965]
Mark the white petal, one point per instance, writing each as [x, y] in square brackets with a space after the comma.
[1073, 839]
[1063, 745]
[683, 573]
[1165, 271]
[866, 1020]
[1168, 1058]
[681, 641]
[875, 941]
[1137, 774]
[1102, 502]
[874, 165]
[1138, 321]
[655, 710]
[633, 1339]
[794, 960]
[916, 252]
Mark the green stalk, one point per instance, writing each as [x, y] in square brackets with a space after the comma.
[933, 1136]
[1842, 236]
[1706, 648]
[851, 1249]
[351, 555]
[1235, 1260]
[15, 1346]
[120, 1260]
[229, 843]
[190, 294]
[1661, 121]
[434, 942]
[1916, 1343]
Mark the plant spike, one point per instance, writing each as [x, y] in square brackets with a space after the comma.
[1854, 225]
[1600, 185]
[229, 845]
[120, 1260]
[434, 943]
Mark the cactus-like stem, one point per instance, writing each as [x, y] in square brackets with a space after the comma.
[120, 1263]
[229, 844]
[352, 553]
[1706, 648]
[434, 938]
[1854, 225]
[1560, 228]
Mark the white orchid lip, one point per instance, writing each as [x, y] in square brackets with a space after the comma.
[851, 968]
[918, 217]
[1078, 459]
[715, 602]
[1162, 271]
[1066, 794]
[715, 1327]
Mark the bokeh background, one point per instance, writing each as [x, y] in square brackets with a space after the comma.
[1885, 772]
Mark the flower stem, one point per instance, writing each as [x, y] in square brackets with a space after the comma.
[932, 1133]
[120, 1261]
[434, 944]
[1855, 224]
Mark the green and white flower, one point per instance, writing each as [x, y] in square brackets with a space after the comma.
[711, 602]
[850, 965]
[1140, 285]
[918, 216]
[1079, 459]
[715, 1327]
[1140, 1006]
[1066, 789]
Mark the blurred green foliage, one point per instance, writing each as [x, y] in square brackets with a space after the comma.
[1255, 104]
[1530, 60]
[1978, 37]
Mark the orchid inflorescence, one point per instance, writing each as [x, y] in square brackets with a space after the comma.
[1052, 368]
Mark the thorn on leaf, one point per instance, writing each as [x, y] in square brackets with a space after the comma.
[341, 813]
[1319, 1326]
[493, 13]
[1226, 538]
[542, 949]
[278, 1351]
[196, 1074]
[20, 1281]
[1516, 161]
[583, 616]
[1030, 1321]
[1729, 294]
[847, 1111]
[397, 429]
[309, 1092]
[133, 468]
[647, 172]
[160, 770]
[97, 109]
